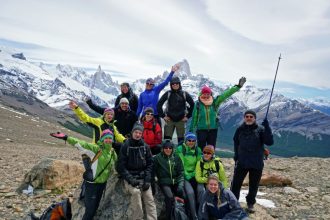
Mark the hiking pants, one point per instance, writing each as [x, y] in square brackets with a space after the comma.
[190, 187]
[200, 192]
[169, 191]
[169, 130]
[135, 209]
[93, 195]
[207, 137]
[254, 179]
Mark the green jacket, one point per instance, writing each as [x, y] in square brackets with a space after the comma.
[169, 169]
[205, 117]
[189, 157]
[108, 154]
[99, 125]
[210, 167]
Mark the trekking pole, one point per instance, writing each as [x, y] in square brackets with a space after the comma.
[271, 94]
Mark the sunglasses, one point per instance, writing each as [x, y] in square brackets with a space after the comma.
[207, 153]
[174, 83]
[166, 148]
[249, 116]
[150, 114]
[150, 84]
[191, 140]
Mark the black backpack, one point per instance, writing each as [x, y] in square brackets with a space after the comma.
[217, 162]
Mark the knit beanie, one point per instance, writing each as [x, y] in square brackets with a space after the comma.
[167, 143]
[174, 80]
[251, 112]
[137, 126]
[108, 110]
[106, 134]
[209, 148]
[206, 90]
[150, 81]
[190, 136]
[124, 100]
[148, 110]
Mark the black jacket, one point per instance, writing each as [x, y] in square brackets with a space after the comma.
[135, 161]
[132, 98]
[249, 143]
[124, 120]
[176, 105]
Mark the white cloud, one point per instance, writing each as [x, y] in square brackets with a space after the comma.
[272, 22]
[223, 39]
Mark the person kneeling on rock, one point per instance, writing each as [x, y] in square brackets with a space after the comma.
[135, 167]
[97, 170]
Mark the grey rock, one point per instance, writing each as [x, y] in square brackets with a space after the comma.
[290, 190]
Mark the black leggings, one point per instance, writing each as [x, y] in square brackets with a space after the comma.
[169, 191]
[207, 137]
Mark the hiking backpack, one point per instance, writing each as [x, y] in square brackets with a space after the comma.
[184, 97]
[56, 211]
[178, 210]
[217, 162]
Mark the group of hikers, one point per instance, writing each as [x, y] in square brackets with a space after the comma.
[129, 138]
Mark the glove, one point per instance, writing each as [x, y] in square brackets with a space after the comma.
[265, 123]
[59, 135]
[180, 191]
[145, 186]
[241, 81]
[133, 182]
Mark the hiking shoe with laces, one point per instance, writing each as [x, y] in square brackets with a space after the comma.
[250, 208]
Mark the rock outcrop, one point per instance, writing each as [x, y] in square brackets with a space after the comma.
[52, 174]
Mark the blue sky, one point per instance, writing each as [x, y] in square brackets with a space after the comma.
[221, 39]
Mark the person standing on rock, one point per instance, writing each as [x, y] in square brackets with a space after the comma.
[219, 203]
[249, 140]
[99, 124]
[170, 174]
[135, 167]
[176, 112]
[149, 97]
[98, 169]
[204, 117]
[190, 154]
[126, 92]
[124, 117]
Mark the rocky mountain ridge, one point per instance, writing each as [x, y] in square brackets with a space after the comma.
[295, 124]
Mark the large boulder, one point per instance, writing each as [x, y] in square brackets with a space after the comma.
[114, 203]
[268, 179]
[53, 174]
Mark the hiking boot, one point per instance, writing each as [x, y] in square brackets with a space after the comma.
[250, 208]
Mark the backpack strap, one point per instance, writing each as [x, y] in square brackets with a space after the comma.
[97, 155]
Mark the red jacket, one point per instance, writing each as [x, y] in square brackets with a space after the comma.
[152, 133]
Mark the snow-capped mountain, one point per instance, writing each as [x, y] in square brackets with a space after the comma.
[295, 125]
[320, 104]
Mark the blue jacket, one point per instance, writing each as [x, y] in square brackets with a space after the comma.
[249, 143]
[149, 98]
[227, 208]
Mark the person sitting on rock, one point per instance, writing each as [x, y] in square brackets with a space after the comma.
[204, 117]
[170, 174]
[152, 132]
[124, 117]
[149, 97]
[207, 165]
[190, 154]
[135, 167]
[127, 92]
[219, 203]
[249, 140]
[179, 107]
[99, 124]
[98, 169]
